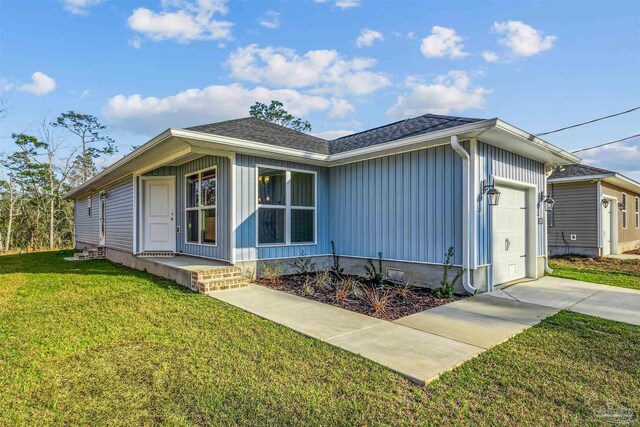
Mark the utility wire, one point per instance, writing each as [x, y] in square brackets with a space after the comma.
[590, 121]
[607, 143]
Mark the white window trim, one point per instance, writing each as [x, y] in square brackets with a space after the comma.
[199, 208]
[625, 200]
[288, 207]
[637, 212]
[89, 208]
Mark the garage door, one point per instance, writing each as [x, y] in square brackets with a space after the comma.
[510, 235]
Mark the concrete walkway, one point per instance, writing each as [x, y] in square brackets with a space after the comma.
[623, 256]
[424, 345]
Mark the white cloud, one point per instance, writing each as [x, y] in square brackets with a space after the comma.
[330, 135]
[341, 107]
[135, 42]
[270, 19]
[367, 37]
[522, 39]
[183, 21]
[443, 42]
[323, 71]
[85, 93]
[346, 4]
[150, 115]
[450, 92]
[5, 85]
[80, 7]
[623, 158]
[490, 56]
[41, 84]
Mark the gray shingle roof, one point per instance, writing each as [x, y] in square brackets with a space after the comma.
[257, 130]
[253, 129]
[570, 171]
[410, 127]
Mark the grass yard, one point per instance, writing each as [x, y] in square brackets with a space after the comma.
[93, 343]
[606, 271]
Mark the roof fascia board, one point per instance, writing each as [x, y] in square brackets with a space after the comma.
[537, 142]
[580, 178]
[243, 145]
[345, 157]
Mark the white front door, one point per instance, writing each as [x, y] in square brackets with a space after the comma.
[159, 212]
[510, 235]
[606, 229]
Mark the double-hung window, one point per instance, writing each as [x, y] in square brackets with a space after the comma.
[637, 212]
[286, 207]
[200, 207]
[624, 210]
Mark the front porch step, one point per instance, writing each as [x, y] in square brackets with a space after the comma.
[217, 278]
[156, 254]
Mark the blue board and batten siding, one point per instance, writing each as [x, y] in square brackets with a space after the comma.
[245, 212]
[496, 162]
[407, 206]
[223, 173]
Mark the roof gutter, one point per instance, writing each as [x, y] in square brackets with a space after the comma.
[466, 215]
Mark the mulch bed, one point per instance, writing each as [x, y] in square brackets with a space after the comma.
[419, 299]
[633, 252]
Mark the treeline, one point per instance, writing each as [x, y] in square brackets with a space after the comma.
[35, 177]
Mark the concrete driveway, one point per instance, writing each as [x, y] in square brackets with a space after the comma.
[424, 345]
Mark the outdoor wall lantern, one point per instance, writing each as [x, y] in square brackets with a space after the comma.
[621, 207]
[491, 192]
[605, 203]
[103, 195]
[548, 202]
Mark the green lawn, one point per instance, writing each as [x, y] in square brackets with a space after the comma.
[606, 271]
[93, 343]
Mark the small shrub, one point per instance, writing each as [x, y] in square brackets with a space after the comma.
[307, 286]
[335, 268]
[249, 274]
[446, 287]
[378, 300]
[406, 291]
[272, 272]
[374, 275]
[303, 264]
[342, 291]
[322, 279]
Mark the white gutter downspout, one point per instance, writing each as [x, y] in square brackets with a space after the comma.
[547, 269]
[466, 217]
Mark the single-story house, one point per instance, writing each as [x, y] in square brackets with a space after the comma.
[247, 193]
[596, 212]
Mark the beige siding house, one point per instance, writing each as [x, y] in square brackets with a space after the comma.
[597, 212]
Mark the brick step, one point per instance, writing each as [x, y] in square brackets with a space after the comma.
[217, 273]
[212, 285]
[93, 253]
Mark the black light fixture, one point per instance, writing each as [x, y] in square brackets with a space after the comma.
[491, 191]
[605, 203]
[103, 195]
[548, 202]
[621, 207]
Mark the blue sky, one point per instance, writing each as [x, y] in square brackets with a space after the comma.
[345, 65]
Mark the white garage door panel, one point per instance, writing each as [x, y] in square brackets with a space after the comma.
[510, 235]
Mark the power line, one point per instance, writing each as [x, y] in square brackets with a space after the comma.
[607, 143]
[590, 121]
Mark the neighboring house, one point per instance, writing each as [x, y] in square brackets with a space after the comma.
[248, 192]
[597, 211]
